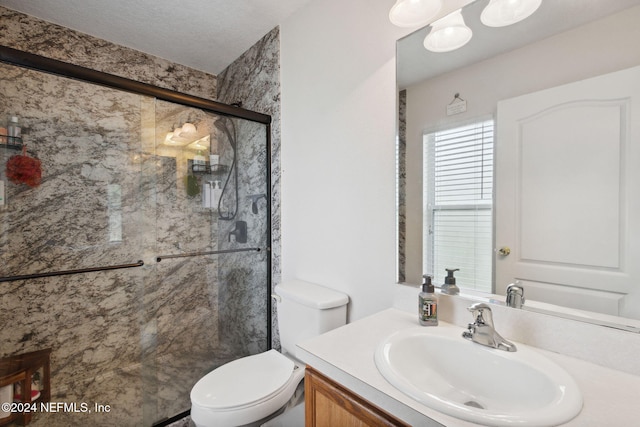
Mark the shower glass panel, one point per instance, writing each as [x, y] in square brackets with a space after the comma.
[121, 260]
[88, 212]
[209, 297]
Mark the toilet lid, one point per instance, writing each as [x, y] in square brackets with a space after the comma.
[243, 381]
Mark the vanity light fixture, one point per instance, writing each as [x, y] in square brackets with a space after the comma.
[182, 135]
[201, 144]
[414, 13]
[500, 13]
[174, 138]
[448, 33]
[167, 139]
[187, 130]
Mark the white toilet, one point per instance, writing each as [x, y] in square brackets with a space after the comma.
[248, 391]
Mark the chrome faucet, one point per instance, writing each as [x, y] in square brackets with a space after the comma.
[515, 295]
[481, 331]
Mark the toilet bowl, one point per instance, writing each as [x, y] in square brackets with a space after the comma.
[250, 390]
[245, 391]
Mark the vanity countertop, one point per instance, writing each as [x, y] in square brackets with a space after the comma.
[346, 355]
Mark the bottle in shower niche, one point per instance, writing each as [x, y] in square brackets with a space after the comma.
[216, 193]
[206, 194]
[13, 127]
[3, 196]
[4, 132]
[199, 162]
[13, 132]
[428, 304]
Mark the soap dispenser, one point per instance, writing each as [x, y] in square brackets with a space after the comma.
[450, 287]
[427, 304]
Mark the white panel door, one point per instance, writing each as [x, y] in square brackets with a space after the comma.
[567, 191]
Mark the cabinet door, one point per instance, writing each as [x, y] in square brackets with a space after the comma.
[328, 404]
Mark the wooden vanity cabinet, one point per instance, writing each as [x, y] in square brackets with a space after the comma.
[328, 404]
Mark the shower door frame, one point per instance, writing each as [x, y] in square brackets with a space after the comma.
[52, 66]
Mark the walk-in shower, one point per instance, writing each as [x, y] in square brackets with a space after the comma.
[118, 265]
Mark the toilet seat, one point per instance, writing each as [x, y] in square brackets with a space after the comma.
[243, 382]
[244, 390]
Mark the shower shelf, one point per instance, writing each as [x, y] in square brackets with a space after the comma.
[12, 142]
[208, 169]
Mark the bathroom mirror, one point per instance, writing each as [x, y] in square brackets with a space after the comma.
[563, 44]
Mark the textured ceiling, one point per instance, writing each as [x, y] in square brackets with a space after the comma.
[203, 34]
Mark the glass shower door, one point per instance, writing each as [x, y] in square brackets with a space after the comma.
[207, 300]
[71, 245]
[177, 225]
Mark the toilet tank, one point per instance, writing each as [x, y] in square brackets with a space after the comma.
[306, 310]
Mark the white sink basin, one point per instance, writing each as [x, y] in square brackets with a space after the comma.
[442, 370]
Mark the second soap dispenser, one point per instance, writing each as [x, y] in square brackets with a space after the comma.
[427, 304]
[450, 287]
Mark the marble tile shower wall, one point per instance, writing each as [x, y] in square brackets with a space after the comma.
[254, 80]
[136, 339]
[243, 293]
[402, 179]
[30, 34]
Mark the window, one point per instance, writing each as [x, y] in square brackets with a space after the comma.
[458, 202]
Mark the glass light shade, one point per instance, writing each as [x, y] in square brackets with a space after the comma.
[188, 129]
[500, 13]
[414, 13]
[174, 138]
[201, 144]
[448, 33]
[167, 139]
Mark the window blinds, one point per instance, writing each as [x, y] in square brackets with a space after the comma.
[458, 196]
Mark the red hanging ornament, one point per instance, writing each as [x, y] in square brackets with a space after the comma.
[23, 169]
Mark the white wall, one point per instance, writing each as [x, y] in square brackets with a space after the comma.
[337, 158]
[338, 151]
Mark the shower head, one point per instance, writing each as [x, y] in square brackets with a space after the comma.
[221, 125]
